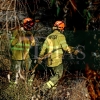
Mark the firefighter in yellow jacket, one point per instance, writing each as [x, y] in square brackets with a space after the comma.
[22, 39]
[54, 44]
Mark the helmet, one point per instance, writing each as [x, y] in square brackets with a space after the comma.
[28, 23]
[60, 25]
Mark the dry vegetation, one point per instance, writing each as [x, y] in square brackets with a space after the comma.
[67, 89]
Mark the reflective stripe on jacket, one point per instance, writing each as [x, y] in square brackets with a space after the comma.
[19, 48]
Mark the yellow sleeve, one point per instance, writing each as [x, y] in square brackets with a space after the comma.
[64, 44]
[44, 47]
[14, 38]
[14, 42]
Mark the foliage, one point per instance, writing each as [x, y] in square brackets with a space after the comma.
[70, 90]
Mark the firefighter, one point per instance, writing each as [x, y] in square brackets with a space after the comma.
[22, 40]
[54, 45]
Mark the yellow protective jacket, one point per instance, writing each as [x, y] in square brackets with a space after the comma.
[20, 44]
[57, 42]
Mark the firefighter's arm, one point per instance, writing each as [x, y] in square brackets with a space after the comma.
[43, 49]
[25, 55]
[33, 42]
[67, 48]
[72, 50]
[64, 44]
[15, 38]
[14, 42]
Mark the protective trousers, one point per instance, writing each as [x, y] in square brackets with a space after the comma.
[18, 68]
[58, 71]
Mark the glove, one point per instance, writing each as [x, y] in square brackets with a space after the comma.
[76, 52]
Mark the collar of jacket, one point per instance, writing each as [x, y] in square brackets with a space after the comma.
[56, 31]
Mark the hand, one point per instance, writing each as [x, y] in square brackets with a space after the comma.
[24, 57]
[76, 52]
[39, 60]
[69, 49]
[20, 39]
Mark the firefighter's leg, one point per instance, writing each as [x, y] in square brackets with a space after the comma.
[13, 70]
[17, 77]
[32, 74]
[8, 76]
[58, 70]
[21, 70]
[18, 68]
